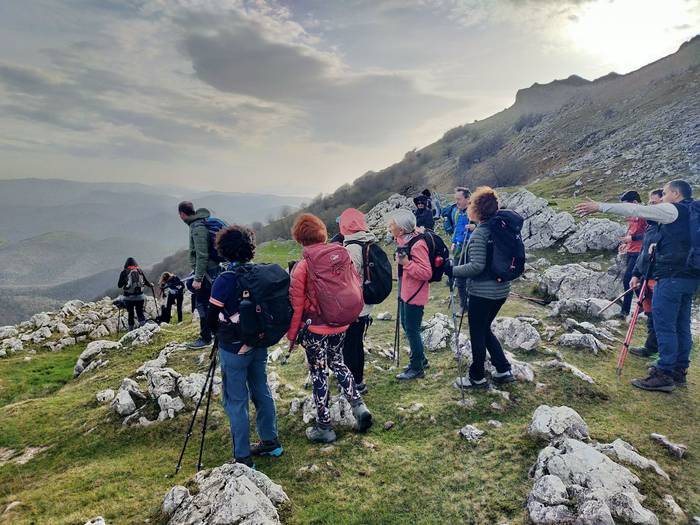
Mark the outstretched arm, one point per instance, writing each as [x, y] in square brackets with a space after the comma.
[664, 213]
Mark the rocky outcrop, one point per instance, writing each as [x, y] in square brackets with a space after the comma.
[339, 407]
[582, 341]
[231, 494]
[140, 336]
[595, 234]
[377, 217]
[554, 423]
[94, 356]
[573, 281]
[589, 307]
[516, 334]
[437, 332]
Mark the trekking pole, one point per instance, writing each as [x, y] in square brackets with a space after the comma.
[292, 344]
[155, 301]
[206, 411]
[615, 300]
[633, 322]
[210, 373]
[119, 319]
[456, 332]
[541, 302]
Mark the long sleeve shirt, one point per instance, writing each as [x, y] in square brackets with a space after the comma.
[664, 213]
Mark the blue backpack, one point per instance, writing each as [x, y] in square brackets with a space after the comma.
[213, 226]
[694, 222]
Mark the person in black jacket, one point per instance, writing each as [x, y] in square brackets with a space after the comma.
[424, 215]
[132, 281]
[173, 290]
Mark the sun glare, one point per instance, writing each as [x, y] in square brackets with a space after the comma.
[626, 34]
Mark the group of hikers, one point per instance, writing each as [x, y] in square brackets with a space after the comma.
[324, 301]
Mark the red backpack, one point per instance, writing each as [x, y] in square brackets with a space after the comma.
[335, 284]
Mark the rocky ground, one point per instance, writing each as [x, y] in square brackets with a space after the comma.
[92, 428]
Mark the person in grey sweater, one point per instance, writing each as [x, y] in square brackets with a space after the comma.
[486, 295]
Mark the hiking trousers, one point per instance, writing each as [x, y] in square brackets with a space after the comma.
[201, 298]
[481, 314]
[671, 307]
[629, 271]
[411, 320]
[322, 350]
[135, 307]
[244, 377]
[354, 348]
[173, 299]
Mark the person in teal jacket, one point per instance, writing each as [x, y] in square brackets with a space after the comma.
[458, 224]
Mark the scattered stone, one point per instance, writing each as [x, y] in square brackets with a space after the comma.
[554, 423]
[92, 352]
[622, 451]
[42, 334]
[590, 307]
[516, 334]
[28, 454]
[389, 425]
[169, 407]
[99, 520]
[123, 404]
[436, 332]
[11, 505]
[384, 316]
[550, 490]
[7, 332]
[496, 406]
[589, 328]
[140, 336]
[103, 396]
[339, 408]
[674, 509]
[494, 423]
[584, 341]
[471, 433]
[677, 449]
[563, 365]
[307, 470]
[227, 495]
[274, 355]
[467, 402]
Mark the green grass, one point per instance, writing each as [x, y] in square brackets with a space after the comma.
[418, 472]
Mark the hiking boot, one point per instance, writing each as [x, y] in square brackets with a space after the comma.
[361, 388]
[199, 343]
[504, 378]
[642, 351]
[267, 448]
[426, 365]
[470, 384]
[657, 380]
[320, 435]
[247, 461]
[363, 417]
[680, 377]
[409, 374]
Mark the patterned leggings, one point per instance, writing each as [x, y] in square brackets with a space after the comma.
[319, 349]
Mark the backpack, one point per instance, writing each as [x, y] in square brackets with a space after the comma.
[213, 226]
[134, 282]
[377, 279]
[335, 283]
[264, 309]
[505, 258]
[438, 253]
[694, 223]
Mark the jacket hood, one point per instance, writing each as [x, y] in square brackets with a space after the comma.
[352, 221]
[201, 213]
[361, 236]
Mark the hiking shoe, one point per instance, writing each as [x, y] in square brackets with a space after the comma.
[363, 417]
[470, 384]
[409, 374]
[680, 377]
[502, 378]
[199, 343]
[247, 461]
[642, 351]
[361, 388]
[320, 435]
[267, 448]
[657, 380]
[426, 365]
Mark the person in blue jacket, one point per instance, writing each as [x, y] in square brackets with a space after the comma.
[458, 225]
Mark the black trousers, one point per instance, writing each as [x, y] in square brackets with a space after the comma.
[629, 272]
[166, 312]
[202, 302]
[354, 349]
[134, 307]
[481, 314]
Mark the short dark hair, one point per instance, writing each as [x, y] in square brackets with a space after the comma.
[236, 243]
[682, 187]
[186, 207]
[630, 196]
[130, 262]
[465, 191]
[659, 192]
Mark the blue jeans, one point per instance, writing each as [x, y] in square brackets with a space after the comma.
[244, 376]
[671, 307]
[411, 319]
[629, 270]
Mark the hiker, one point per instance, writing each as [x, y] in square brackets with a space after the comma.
[487, 295]
[415, 272]
[461, 230]
[424, 215]
[676, 276]
[356, 234]
[132, 281]
[204, 263]
[172, 289]
[243, 369]
[433, 203]
[631, 246]
[651, 236]
[326, 297]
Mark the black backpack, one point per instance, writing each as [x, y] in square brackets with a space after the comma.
[213, 226]
[505, 259]
[438, 253]
[377, 279]
[265, 310]
[135, 282]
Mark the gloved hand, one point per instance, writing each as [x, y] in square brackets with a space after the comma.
[448, 268]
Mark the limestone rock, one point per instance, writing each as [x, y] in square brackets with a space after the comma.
[42, 334]
[81, 329]
[103, 396]
[585, 341]
[595, 234]
[677, 449]
[377, 217]
[471, 433]
[8, 331]
[550, 490]
[12, 345]
[563, 365]
[624, 452]
[91, 353]
[436, 332]
[516, 334]
[340, 411]
[123, 404]
[99, 520]
[573, 281]
[384, 316]
[40, 319]
[161, 381]
[140, 336]
[169, 406]
[554, 423]
[674, 509]
[590, 307]
[100, 332]
[231, 494]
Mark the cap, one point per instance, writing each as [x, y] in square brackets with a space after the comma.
[630, 196]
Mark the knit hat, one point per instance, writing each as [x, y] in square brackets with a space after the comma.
[630, 196]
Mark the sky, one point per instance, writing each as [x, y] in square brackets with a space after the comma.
[291, 98]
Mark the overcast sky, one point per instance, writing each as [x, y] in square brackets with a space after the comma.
[293, 97]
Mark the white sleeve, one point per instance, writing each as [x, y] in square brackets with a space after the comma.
[664, 213]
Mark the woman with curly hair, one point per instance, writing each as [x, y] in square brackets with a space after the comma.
[486, 295]
[323, 343]
[243, 369]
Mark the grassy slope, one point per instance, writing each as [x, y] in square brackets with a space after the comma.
[418, 472]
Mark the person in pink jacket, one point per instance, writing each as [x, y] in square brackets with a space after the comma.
[413, 259]
[323, 343]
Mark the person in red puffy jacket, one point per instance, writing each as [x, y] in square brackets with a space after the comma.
[323, 343]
